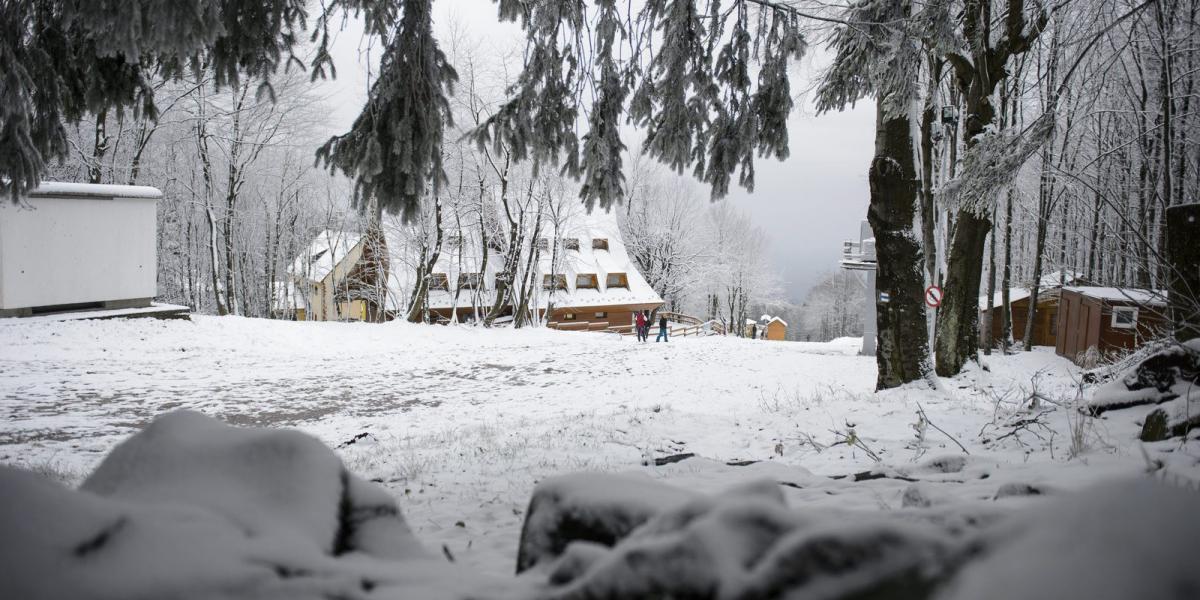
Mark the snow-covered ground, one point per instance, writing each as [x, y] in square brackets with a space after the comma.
[461, 423]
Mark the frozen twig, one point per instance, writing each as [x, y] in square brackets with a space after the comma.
[921, 411]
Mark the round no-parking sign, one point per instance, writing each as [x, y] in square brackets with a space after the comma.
[933, 296]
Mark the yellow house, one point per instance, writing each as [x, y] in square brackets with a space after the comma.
[332, 280]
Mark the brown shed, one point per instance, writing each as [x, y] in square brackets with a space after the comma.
[1045, 326]
[776, 329]
[1108, 319]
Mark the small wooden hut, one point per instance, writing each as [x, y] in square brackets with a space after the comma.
[1108, 319]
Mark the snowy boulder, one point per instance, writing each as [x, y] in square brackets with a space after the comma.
[1115, 541]
[747, 544]
[601, 508]
[275, 482]
[191, 508]
[1168, 374]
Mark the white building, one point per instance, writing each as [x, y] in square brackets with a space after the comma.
[583, 278]
[75, 246]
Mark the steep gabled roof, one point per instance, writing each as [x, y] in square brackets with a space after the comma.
[570, 263]
[324, 253]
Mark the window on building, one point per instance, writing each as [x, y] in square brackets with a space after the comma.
[568, 316]
[554, 282]
[617, 280]
[470, 281]
[543, 244]
[1124, 317]
[455, 241]
[600, 244]
[439, 281]
[501, 281]
[586, 281]
[601, 315]
[571, 243]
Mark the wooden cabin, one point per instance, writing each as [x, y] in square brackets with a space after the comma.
[776, 329]
[1108, 319]
[1045, 325]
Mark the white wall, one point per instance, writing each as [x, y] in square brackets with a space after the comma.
[73, 248]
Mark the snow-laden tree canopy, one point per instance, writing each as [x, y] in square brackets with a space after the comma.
[680, 69]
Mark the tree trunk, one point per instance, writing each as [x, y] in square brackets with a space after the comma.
[417, 307]
[1006, 283]
[989, 340]
[99, 149]
[1183, 229]
[903, 351]
[928, 121]
[958, 318]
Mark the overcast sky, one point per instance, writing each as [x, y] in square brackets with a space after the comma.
[807, 204]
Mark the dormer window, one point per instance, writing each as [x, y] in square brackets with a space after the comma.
[586, 281]
[600, 244]
[571, 243]
[439, 281]
[617, 280]
[501, 281]
[470, 281]
[543, 244]
[455, 241]
[554, 282]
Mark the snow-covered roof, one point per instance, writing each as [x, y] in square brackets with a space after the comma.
[324, 253]
[1113, 294]
[570, 263]
[1048, 281]
[1014, 294]
[64, 188]
[777, 320]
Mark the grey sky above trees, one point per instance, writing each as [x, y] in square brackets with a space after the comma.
[807, 204]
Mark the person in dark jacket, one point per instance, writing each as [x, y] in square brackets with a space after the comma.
[662, 328]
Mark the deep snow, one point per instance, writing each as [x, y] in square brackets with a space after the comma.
[462, 423]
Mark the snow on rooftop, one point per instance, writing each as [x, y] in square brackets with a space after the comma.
[1114, 294]
[1014, 294]
[64, 188]
[324, 253]
[571, 263]
[1047, 282]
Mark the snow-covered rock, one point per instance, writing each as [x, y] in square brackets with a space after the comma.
[601, 508]
[193, 508]
[1114, 541]
[1167, 374]
[277, 482]
[747, 544]
[1125, 540]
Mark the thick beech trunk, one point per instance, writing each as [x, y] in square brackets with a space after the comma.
[903, 345]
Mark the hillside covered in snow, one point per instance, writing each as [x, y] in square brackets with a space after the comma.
[472, 436]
